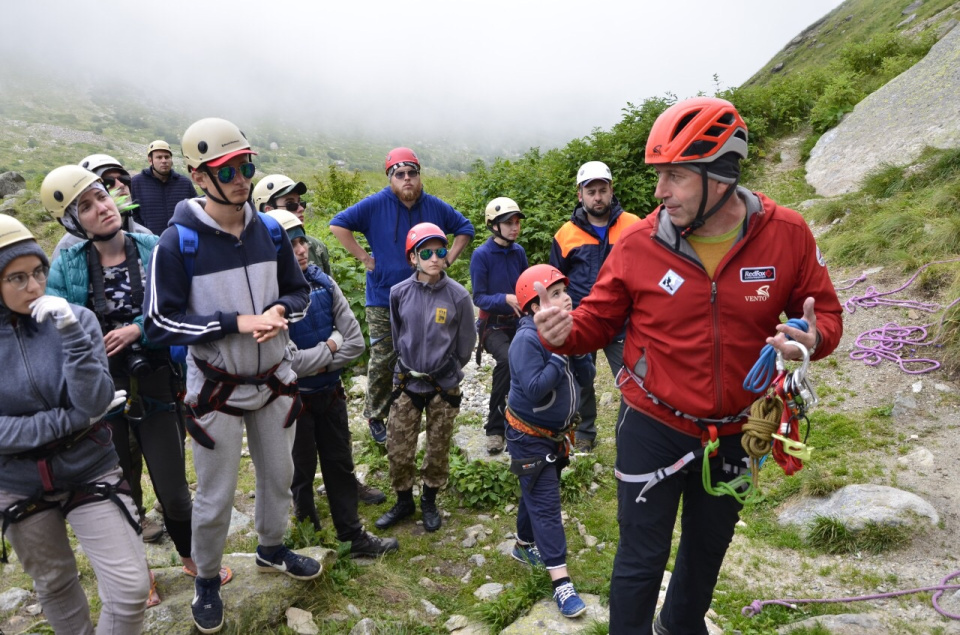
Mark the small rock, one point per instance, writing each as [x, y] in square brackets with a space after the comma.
[916, 387]
[606, 399]
[777, 68]
[484, 518]
[366, 626]
[488, 591]
[354, 611]
[477, 560]
[34, 609]
[301, 621]
[456, 622]
[466, 577]
[430, 609]
[416, 559]
[594, 486]
[597, 468]
[13, 599]
[469, 542]
[427, 583]
[506, 547]
[921, 457]
[943, 387]
[912, 7]
[509, 508]
[590, 541]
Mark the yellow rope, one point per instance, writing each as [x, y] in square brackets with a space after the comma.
[764, 421]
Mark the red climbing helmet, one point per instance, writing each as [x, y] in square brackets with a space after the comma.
[698, 130]
[400, 155]
[422, 232]
[544, 274]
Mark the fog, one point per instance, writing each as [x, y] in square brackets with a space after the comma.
[493, 71]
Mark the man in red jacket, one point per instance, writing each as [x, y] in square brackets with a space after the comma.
[719, 266]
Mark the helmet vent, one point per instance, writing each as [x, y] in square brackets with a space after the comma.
[699, 148]
[202, 147]
[58, 195]
[726, 118]
[715, 131]
[683, 124]
[741, 134]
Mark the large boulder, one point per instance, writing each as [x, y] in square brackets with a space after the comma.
[914, 110]
[857, 505]
[11, 183]
[252, 600]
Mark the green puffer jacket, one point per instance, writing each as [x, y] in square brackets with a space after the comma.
[70, 278]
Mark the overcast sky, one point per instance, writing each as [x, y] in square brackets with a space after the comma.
[482, 69]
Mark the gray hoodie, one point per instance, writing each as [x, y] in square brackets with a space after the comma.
[433, 329]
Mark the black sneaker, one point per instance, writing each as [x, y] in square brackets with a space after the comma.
[369, 495]
[369, 546]
[378, 430]
[285, 561]
[395, 514]
[207, 606]
[431, 516]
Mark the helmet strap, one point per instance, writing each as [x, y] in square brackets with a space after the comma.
[216, 184]
[703, 216]
[495, 230]
[75, 229]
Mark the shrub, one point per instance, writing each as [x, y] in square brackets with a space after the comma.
[483, 484]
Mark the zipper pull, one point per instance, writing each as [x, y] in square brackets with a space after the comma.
[713, 291]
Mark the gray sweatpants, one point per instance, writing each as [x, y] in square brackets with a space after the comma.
[114, 549]
[270, 446]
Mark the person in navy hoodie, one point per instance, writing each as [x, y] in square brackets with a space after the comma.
[495, 267]
[327, 339]
[158, 188]
[230, 304]
[384, 220]
[544, 397]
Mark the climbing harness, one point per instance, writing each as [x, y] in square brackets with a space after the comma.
[533, 466]
[420, 400]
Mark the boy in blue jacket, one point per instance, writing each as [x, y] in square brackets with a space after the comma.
[544, 397]
[230, 304]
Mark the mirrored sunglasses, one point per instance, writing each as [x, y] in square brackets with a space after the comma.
[426, 254]
[227, 173]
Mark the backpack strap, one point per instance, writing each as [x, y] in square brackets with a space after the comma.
[276, 231]
[189, 241]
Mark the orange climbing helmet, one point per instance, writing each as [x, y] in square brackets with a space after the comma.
[697, 130]
[544, 274]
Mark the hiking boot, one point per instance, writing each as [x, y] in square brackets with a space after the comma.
[369, 495]
[150, 530]
[395, 514]
[285, 561]
[378, 430]
[583, 445]
[369, 546]
[568, 601]
[527, 554]
[207, 606]
[431, 515]
[495, 444]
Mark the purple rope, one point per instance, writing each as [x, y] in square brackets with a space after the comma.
[886, 342]
[852, 284]
[755, 607]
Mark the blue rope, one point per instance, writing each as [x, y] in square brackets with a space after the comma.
[763, 372]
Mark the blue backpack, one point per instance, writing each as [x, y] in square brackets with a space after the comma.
[190, 242]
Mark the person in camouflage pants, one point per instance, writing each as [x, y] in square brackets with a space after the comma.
[380, 367]
[433, 333]
[403, 429]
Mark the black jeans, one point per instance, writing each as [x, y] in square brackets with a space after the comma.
[497, 343]
[323, 431]
[646, 528]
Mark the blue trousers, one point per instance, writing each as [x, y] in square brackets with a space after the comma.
[538, 515]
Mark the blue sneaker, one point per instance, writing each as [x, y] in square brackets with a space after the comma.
[207, 606]
[378, 430]
[568, 601]
[285, 561]
[527, 554]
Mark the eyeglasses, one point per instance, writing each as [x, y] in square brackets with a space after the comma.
[402, 174]
[228, 173]
[20, 280]
[293, 206]
[426, 254]
[110, 181]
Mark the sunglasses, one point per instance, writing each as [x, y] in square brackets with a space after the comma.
[402, 174]
[293, 206]
[20, 280]
[426, 254]
[227, 173]
[110, 182]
